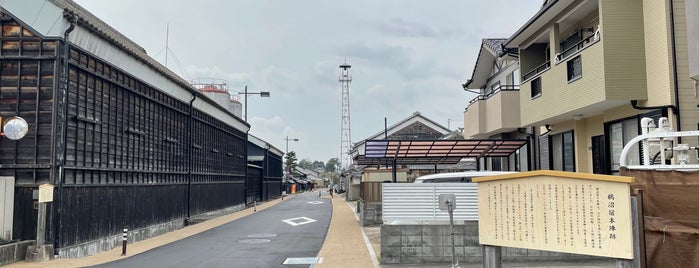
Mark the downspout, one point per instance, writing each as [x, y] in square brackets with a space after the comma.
[674, 68]
[191, 160]
[61, 163]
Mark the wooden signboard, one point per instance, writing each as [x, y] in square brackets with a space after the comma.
[557, 211]
[45, 193]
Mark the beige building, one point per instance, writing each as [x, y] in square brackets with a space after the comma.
[590, 70]
[494, 113]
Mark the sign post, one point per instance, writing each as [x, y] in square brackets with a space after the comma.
[448, 202]
[41, 251]
[557, 211]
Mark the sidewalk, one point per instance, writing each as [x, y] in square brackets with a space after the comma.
[148, 244]
[345, 245]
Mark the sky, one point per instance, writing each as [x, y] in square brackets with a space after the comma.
[407, 56]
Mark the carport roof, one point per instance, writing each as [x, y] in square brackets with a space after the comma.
[416, 152]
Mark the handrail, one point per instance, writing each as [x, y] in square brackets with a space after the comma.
[495, 91]
[539, 69]
[578, 46]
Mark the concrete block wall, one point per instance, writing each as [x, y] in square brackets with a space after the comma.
[418, 244]
[14, 252]
[370, 213]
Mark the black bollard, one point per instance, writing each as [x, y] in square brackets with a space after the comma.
[124, 238]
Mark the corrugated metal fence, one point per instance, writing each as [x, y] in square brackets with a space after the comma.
[417, 202]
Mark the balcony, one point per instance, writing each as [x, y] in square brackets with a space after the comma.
[603, 84]
[577, 47]
[492, 113]
[580, 57]
[536, 71]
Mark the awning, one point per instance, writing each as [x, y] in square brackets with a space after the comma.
[416, 152]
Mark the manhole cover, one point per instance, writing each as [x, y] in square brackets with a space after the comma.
[262, 235]
[254, 241]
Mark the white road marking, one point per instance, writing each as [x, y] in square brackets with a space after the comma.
[308, 260]
[298, 221]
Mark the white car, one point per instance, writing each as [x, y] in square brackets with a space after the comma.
[465, 176]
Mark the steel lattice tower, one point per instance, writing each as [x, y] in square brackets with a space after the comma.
[346, 137]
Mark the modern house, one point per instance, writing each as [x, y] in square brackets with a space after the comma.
[494, 113]
[591, 69]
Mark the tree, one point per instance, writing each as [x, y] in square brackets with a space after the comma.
[291, 164]
[332, 165]
[318, 166]
[305, 163]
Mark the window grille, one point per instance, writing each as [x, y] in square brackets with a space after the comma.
[574, 69]
[536, 87]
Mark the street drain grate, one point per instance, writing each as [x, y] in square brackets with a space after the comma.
[254, 241]
[262, 235]
[308, 260]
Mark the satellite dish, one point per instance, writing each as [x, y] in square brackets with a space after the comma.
[15, 128]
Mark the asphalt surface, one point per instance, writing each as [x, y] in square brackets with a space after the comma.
[262, 239]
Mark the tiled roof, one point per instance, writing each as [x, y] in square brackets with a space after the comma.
[115, 37]
[494, 44]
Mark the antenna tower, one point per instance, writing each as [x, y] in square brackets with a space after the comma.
[346, 137]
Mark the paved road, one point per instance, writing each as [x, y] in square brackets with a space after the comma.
[259, 240]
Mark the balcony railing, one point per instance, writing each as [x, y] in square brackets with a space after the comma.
[579, 46]
[495, 91]
[536, 71]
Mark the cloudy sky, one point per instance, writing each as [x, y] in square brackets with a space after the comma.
[407, 56]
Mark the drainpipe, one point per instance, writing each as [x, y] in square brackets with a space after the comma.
[61, 163]
[191, 160]
[674, 67]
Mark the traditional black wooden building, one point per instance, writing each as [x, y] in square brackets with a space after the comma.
[124, 140]
[264, 170]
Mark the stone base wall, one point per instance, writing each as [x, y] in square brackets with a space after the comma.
[418, 244]
[370, 213]
[110, 242]
[14, 252]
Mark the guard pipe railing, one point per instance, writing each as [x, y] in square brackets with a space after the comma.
[646, 158]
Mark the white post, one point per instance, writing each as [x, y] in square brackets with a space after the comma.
[7, 200]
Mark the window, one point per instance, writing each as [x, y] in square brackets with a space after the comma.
[496, 164]
[536, 87]
[574, 69]
[563, 151]
[620, 132]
